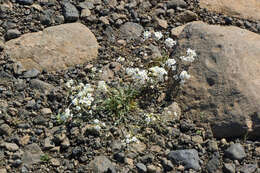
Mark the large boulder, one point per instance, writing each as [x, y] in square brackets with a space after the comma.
[225, 82]
[54, 48]
[247, 9]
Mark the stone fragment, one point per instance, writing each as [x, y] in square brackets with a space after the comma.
[229, 168]
[101, 164]
[11, 146]
[131, 30]
[32, 154]
[176, 3]
[235, 152]
[188, 158]
[141, 167]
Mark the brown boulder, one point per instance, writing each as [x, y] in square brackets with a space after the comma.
[247, 9]
[54, 48]
[225, 82]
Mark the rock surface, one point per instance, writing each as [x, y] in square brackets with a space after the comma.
[248, 9]
[225, 78]
[54, 48]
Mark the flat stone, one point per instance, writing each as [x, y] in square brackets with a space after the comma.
[11, 146]
[188, 158]
[54, 48]
[176, 3]
[46, 111]
[42, 86]
[55, 162]
[248, 168]
[32, 154]
[101, 164]
[131, 30]
[235, 152]
[32, 73]
[247, 9]
[141, 167]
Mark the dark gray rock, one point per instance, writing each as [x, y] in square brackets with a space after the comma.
[101, 164]
[229, 168]
[213, 165]
[120, 157]
[188, 158]
[235, 152]
[12, 33]
[176, 3]
[70, 12]
[141, 168]
[25, 2]
[31, 73]
[131, 30]
[248, 168]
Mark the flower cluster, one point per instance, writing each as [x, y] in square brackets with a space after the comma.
[171, 64]
[190, 55]
[158, 73]
[98, 124]
[184, 76]
[140, 76]
[130, 139]
[169, 42]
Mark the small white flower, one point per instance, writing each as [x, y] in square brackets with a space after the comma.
[103, 124]
[96, 121]
[157, 35]
[169, 42]
[97, 127]
[190, 55]
[102, 86]
[191, 52]
[158, 72]
[147, 34]
[128, 136]
[127, 140]
[69, 83]
[134, 139]
[184, 75]
[140, 76]
[78, 108]
[75, 101]
[170, 63]
[120, 59]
